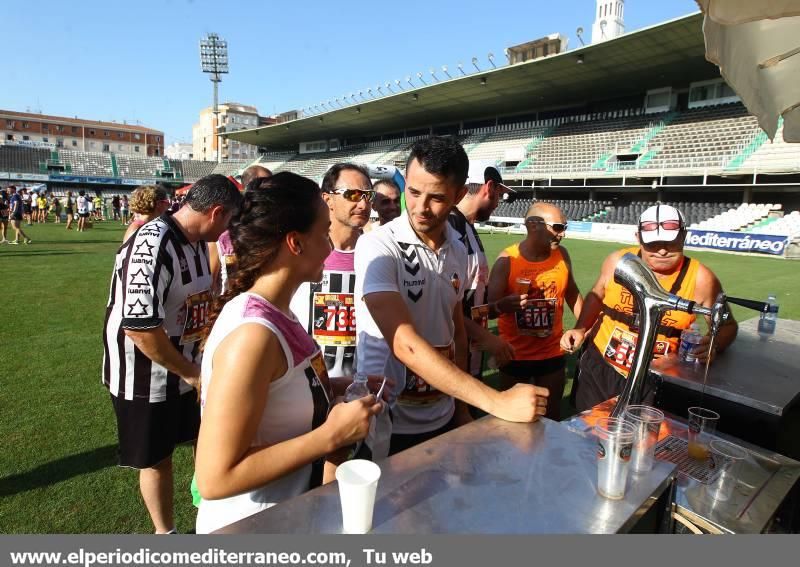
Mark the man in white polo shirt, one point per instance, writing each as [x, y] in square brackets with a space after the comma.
[412, 276]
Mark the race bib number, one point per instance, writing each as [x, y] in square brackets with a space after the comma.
[622, 346]
[417, 391]
[334, 319]
[537, 320]
[480, 315]
[197, 307]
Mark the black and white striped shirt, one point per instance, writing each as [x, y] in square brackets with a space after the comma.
[327, 311]
[160, 279]
[476, 291]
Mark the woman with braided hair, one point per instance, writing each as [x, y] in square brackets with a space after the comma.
[266, 426]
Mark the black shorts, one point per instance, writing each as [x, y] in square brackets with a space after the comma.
[83, 215]
[403, 441]
[17, 217]
[598, 381]
[69, 210]
[27, 209]
[527, 369]
[149, 431]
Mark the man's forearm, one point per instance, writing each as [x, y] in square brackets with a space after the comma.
[726, 335]
[425, 361]
[589, 311]
[156, 346]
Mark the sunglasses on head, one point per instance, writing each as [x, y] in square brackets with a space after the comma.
[647, 226]
[355, 195]
[558, 227]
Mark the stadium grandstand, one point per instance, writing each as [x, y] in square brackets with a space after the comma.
[603, 130]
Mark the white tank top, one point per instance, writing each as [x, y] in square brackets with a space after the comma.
[298, 402]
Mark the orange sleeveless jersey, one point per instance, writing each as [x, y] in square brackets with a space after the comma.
[535, 332]
[616, 341]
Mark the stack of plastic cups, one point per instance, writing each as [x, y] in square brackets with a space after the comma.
[646, 422]
[614, 445]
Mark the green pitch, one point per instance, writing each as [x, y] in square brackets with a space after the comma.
[58, 469]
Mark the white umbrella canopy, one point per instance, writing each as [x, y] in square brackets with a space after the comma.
[756, 44]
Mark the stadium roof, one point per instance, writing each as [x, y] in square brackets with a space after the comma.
[667, 54]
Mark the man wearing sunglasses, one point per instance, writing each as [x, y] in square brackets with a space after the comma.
[538, 271]
[609, 318]
[387, 201]
[327, 308]
[412, 274]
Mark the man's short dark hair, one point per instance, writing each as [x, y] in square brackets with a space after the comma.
[211, 191]
[332, 176]
[443, 156]
[387, 182]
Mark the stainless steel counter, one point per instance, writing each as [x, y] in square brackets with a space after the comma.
[490, 477]
[764, 375]
[764, 481]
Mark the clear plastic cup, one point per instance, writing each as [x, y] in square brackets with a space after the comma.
[523, 286]
[702, 425]
[358, 482]
[614, 445]
[646, 422]
[725, 458]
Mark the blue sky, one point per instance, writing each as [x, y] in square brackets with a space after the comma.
[139, 61]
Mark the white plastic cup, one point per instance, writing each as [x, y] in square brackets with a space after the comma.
[725, 458]
[614, 445]
[646, 421]
[358, 481]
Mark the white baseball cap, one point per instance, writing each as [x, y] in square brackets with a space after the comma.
[660, 223]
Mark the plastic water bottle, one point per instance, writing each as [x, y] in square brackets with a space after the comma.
[769, 320]
[690, 338]
[358, 389]
[355, 391]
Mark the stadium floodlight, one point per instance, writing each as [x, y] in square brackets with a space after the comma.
[378, 88]
[475, 63]
[444, 70]
[214, 62]
[408, 80]
[461, 68]
[579, 33]
[491, 59]
[419, 76]
[388, 86]
[433, 74]
[369, 92]
[399, 85]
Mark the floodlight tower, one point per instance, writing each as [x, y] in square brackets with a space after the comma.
[214, 61]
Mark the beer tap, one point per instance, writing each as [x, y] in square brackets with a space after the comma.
[652, 301]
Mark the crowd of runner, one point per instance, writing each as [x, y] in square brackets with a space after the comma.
[264, 306]
[77, 210]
